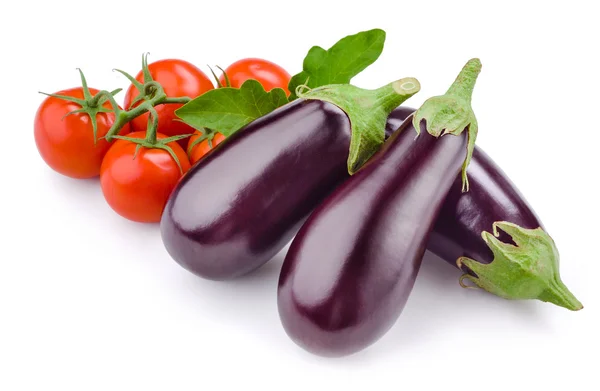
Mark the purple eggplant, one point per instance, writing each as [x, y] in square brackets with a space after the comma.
[352, 266]
[396, 118]
[465, 234]
[241, 204]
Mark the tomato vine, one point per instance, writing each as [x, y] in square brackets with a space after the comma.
[151, 94]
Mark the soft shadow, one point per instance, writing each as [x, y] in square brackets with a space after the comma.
[70, 186]
[438, 305]
[250, 301]
[83, 198]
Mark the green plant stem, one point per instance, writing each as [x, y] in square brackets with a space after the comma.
[122, 117]
[367, 110]
[181, 99]
[465, 81]
[152, 126]
[452, 113]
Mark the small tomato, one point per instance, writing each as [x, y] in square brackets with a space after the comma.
[137, 186]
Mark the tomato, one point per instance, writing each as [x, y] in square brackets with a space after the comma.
[138, 188]
[66, 142]
[269, 74]
[178, 78]
[202, 148]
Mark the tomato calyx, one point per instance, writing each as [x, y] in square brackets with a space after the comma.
[207, 134]
[225, 76]
[149, 90]
[152, 142]
[151, 94]
[158, 144]
[91, 105]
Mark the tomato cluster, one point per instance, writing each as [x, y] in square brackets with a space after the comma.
[137, 176]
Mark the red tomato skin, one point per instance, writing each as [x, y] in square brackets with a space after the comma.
[202, 148]
[178, 78]
[139, 188]
[269, 74]
[66, 143]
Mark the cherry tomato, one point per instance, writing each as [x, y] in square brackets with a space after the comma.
[202, 148]
[269, 74]
[66, 142]
[138, 188]
[178, 78]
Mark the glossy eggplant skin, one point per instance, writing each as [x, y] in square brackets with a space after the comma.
[491, 197]
[241, 204]
[396, 118]
[351, 267]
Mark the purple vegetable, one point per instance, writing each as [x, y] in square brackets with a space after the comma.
[396, 118]
[352, 266]
[241, 204]
[463, 234]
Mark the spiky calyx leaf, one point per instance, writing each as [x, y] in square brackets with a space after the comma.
[91, 105]
[207, 134]
[157, 144]
[526, 270]
[143, 94]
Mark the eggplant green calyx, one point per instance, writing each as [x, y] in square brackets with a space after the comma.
[367, 110]
[527, 270]
[91, 105]
[451, 113]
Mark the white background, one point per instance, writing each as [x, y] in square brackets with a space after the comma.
[90, 301]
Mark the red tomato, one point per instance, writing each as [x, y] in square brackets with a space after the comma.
[269, 74]
[178, 78]
[138, 189]
[67, 143]
[202, 148]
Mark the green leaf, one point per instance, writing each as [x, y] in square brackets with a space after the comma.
[227, 110]
[338, 65]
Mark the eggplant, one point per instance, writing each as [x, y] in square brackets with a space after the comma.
[396, 118]
[241, 204]
[493, 224]
[350, 269]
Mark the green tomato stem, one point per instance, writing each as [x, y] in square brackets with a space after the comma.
[159, 97]
[152, 125]
[153, 91]
[151, 94]
[182, 99]
[108, 96]
[207, 134]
